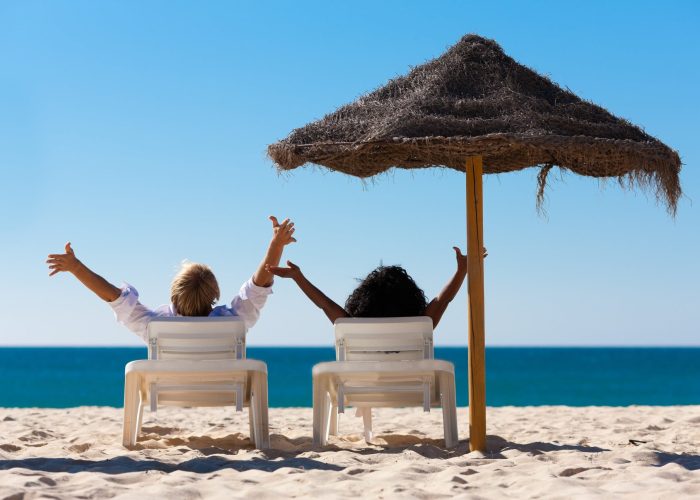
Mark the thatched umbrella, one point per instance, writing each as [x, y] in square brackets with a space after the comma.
[474, 109]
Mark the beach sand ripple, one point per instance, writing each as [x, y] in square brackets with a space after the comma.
[534, 452]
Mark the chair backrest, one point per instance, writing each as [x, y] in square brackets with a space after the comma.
[384, 339]
[196, 338]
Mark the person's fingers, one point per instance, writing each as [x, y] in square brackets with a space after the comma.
[53, 272]
[282, 272]
[69, 250]
[56, 255]
[274, 221]
[284, 224]
[292, 265]
[292, 240]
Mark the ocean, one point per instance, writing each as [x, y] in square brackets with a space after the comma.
[62, 377]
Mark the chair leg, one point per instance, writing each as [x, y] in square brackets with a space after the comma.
[256, 414]
[367, 423]
[333, 431]
[139, 422]
[319, 401]
[260, 410]
[263, 406]
[327, 408]
[251, 418]
[131, 408]
[449, 409]
[153, 392]
[239, 397]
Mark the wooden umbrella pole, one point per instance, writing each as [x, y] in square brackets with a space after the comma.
[475, 283]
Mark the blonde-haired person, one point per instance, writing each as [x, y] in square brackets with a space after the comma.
[194, 290]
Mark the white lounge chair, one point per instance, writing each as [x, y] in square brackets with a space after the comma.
[382, 362]
[196, 362]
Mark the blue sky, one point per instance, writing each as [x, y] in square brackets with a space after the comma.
[138, 130]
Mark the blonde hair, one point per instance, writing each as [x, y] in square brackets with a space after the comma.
[194, 290]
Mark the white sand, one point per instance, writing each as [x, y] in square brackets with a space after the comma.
[552, 452]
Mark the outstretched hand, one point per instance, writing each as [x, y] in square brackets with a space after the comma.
[292, 271]
[63, 261]
[282, 234]
[436, 308]
[463, 259]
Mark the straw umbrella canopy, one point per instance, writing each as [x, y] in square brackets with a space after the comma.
[475, 109]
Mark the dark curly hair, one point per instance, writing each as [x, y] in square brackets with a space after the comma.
[388, 291]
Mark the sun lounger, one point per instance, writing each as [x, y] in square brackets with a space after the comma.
[382, 362]
[196, 362]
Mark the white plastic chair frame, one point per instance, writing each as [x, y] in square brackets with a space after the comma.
[382, 362]
[196, 362]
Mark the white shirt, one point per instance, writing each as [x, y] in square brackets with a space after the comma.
[135, 316]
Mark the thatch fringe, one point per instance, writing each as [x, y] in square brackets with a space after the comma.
[541, 184]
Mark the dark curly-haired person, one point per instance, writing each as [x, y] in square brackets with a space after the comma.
[388, 291]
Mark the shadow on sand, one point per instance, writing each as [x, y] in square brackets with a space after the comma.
[659, 458]
[435, 448]
[538, 447]
[287, 453]
[124, 465]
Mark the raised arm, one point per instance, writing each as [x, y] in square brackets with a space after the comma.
[68, 262]
[436, 308]
[332, 310]
[282, 235]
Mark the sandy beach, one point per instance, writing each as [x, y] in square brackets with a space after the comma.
[535, 452]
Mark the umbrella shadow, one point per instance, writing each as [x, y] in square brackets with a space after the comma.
[685, 460]
[435, 448]
[500, 444]
[658, 458]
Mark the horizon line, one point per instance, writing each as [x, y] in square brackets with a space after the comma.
[316, 346]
